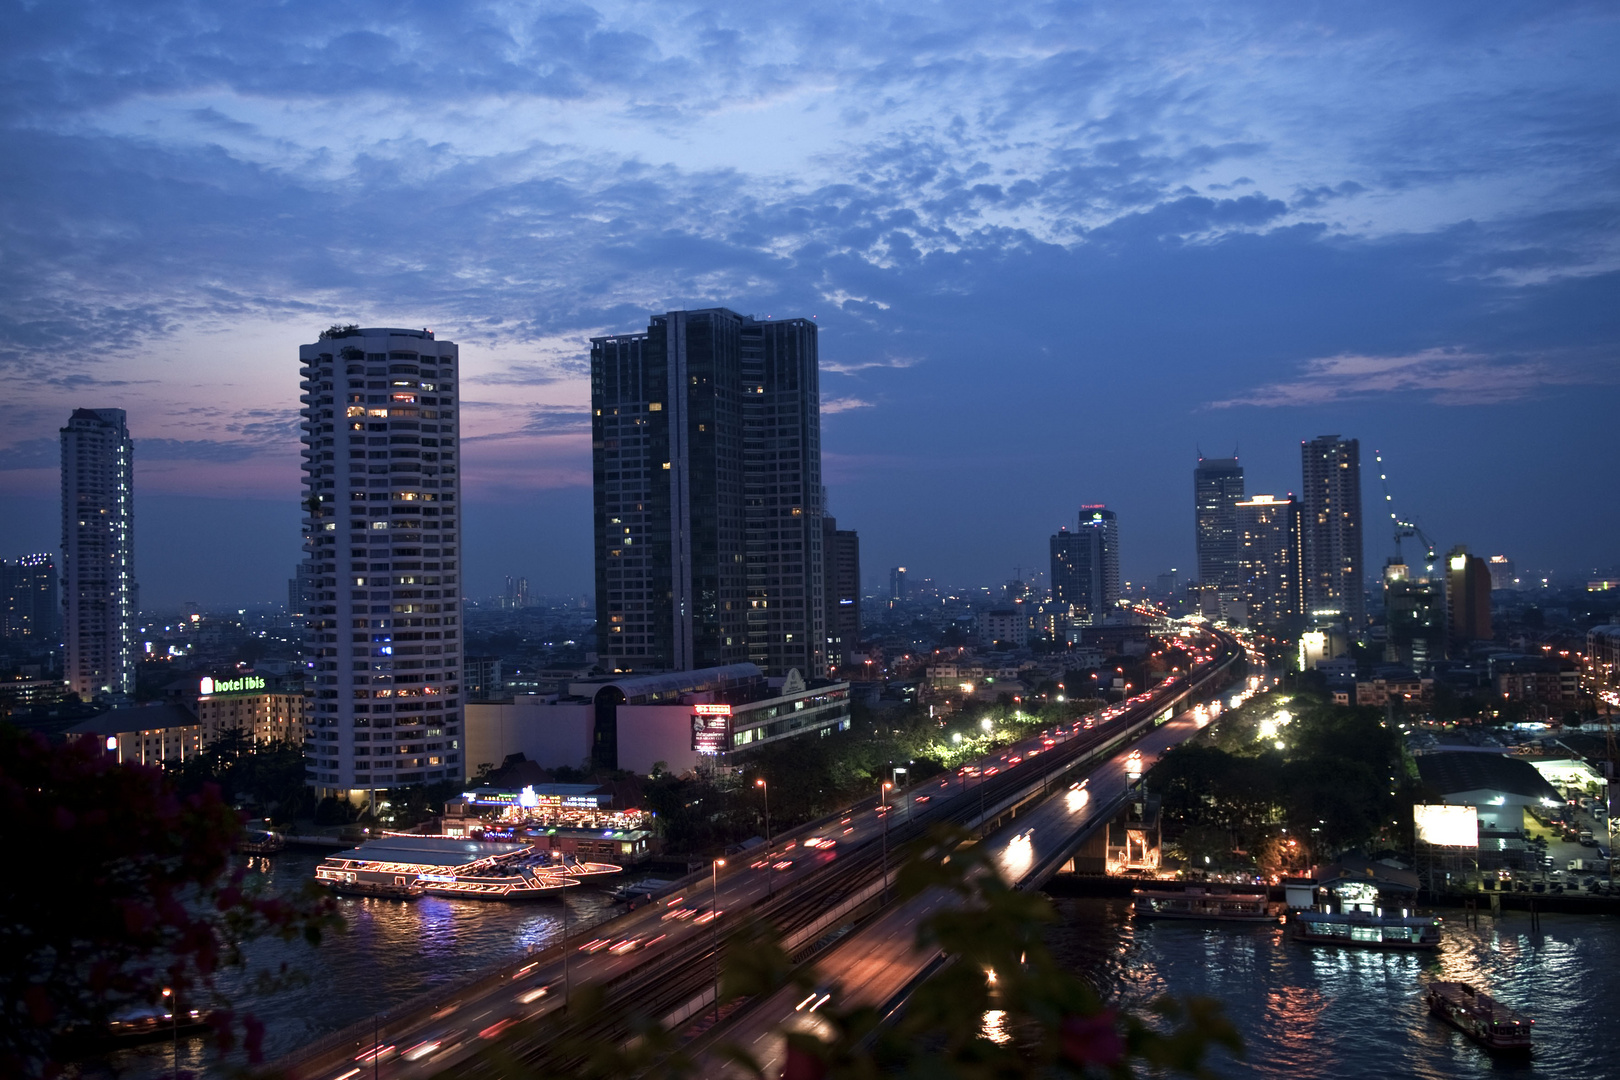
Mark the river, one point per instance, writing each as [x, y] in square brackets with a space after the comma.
[1307, 1011]
[1303, 1012]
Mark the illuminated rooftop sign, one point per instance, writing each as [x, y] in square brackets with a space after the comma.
[711, 710]
[246, 684]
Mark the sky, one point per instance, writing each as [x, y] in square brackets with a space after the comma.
[1056, 250]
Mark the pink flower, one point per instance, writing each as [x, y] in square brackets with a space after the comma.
[1092, 1040]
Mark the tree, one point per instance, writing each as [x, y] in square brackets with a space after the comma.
[120, 887]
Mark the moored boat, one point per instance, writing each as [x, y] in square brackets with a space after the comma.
[1479, 1016]
[1220, 903]
[260, 842]
[1368, 929]
[403, 866]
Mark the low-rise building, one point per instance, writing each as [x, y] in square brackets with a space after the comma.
[1497, 786]
[265, 709]
[144, 734]
[677, 720]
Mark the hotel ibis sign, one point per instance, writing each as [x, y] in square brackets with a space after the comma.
[242, 684]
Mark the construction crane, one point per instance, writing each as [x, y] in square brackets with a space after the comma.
[1404, 529]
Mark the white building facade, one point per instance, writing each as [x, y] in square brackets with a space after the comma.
[382, 542]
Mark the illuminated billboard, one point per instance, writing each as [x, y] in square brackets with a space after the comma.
[710, 733]
[245, 684]
[1446, 826]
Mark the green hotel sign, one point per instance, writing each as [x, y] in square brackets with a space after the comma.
[245, 684]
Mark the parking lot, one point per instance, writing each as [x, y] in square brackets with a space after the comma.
[1557, 853]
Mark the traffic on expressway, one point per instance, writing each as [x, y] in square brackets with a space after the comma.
[662, 956]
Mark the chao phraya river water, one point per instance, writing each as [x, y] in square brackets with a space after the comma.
[1304, 1012]
[1320, 1012]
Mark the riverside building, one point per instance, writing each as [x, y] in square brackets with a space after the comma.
[706, 458]
[98, 553]
[382, 541]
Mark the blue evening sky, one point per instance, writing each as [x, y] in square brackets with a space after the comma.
[1054, 249]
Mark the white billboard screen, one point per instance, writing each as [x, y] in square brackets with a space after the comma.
[1447, 826]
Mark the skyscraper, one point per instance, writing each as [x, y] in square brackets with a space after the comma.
[98, 552]
[1217, 490]
[1468, 596]
[782, 497]
[1269, 560]
[706, 453]
[841, 553]
[30, 608]
[1085, 563]
[1330, 519]
[382, 532]
[1414, 623]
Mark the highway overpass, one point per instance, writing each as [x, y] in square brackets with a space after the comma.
[660, 959]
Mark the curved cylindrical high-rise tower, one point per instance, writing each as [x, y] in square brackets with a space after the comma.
[382, 543]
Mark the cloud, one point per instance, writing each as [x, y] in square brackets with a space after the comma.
[32, 454]
[830, 406]
[1444, 376]
[841, 367]
[539, 420]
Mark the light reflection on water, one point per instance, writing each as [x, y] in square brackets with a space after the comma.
[391, 952]
[1329, 1012]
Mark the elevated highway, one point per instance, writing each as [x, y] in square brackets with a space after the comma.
[660, 960]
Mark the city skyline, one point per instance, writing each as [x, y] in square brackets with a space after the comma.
[1220, 228]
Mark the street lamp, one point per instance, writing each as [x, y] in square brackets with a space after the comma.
[174, 1017]
[714, 923]
[770, 872]
[885, 805]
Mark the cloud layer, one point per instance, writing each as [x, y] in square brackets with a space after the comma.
[1034, 235]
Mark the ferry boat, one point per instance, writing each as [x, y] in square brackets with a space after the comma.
[1219, 902]
[1479, 1016]
[1368, 929]
[404, 866]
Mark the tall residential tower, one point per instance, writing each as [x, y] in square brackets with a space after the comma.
[706, 459]
[1330, 524]
[1085, 563]
[382, 541]
[1269, 560]
[98, 553]
[1217, 490]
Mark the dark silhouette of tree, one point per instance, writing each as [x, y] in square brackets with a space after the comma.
[118, 887]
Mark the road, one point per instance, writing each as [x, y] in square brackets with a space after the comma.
[876, 964]
[662, 955]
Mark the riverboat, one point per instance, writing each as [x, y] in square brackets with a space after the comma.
[403, 866]
[1368, 929]
[1219, 903]
[260, 842]
[1479, 1016]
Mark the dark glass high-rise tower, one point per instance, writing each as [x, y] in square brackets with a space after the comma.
[1217, 490]
[1085, 563]
[1330, 528]
[706, 458]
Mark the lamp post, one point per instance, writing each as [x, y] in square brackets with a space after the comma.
[714, 923]
[884, 803]
[770, 871]
[174, 1017]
